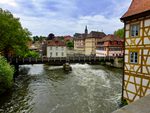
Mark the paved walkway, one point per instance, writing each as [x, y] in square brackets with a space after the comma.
[140, 106]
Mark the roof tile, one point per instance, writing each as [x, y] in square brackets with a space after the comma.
[137, 7]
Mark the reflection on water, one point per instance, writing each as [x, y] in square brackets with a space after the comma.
[47, 89]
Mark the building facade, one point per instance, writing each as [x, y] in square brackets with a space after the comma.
[136, 80]
[56, 48]
[91, 42]
[79, 41]
[79, 45]
[110, 45]
[86, 43]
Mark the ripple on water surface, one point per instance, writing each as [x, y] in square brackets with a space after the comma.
[47, 89]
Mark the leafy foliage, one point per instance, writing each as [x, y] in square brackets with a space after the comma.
[38, 38]
[13, 37]
[51, 36]
[6, 75]
[70, 44]
[32, 54]
[120, 33]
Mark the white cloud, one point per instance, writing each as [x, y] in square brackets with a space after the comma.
[9, 2]
[41, 19]
[44, 26]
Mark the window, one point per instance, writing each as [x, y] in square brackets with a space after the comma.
[56, 48]
[62, 54]
[50, 54]
[56, 54]
[133, 57]
[134, 30]
[50, 48]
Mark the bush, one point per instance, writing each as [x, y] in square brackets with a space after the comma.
[6, 75]
[32, 54]
[70, 44]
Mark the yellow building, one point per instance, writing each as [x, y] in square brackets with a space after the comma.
[91, 42]
[86, 43]
[136, 80]
[79, 45]
[79, 41]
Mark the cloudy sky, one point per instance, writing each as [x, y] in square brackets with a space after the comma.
[65, 17]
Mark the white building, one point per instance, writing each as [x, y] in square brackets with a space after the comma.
[56, 48]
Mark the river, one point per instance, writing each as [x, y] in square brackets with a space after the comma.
[47, 89]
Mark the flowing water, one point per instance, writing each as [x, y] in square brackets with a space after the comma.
[47, 89]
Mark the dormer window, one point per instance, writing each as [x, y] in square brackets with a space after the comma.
[135, 28]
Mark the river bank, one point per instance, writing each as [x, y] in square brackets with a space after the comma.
[6, 75]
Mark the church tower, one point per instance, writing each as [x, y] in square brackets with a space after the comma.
[86, 30]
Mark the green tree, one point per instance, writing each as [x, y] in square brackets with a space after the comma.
[32, 54]
[70, 44]
[51, 36]
[13, 37]
[6, 75]
[120, 33]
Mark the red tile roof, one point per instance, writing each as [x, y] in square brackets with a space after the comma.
[55, 43]
[110, 38]
[137, 7]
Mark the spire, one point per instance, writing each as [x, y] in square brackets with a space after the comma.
[86, 30]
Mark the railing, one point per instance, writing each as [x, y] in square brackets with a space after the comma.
[71, 59]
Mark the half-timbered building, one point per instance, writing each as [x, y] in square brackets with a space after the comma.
[136, 80]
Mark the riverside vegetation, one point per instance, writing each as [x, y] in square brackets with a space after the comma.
[13, 42]
[6, 75]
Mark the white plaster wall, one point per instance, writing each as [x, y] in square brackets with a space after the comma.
[136, 68]
[145, 51]
[115, 52]
[127, 34]
[129, 41]
[145, 82]
[147, 22]
[148, 61]
[101, 53]
[131, 79]
[126, 51]
[147, 92]
[131, 96]
[146, 40]
[56, 49]
[137, 41]
[126, 58]
[126, 77]
[124, 94]
[137, 97]
[127, 26]
[131, 87]
[141, 23]
[141, 31]
[144, 69]
[128, 66]
[138, 80]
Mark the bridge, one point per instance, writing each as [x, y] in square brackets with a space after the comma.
[60, 60]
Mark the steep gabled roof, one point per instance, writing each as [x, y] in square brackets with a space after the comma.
[55, 43]
[96, 34]
[137, 7]
[110, 38]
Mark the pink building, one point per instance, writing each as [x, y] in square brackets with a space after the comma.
[110, 45]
